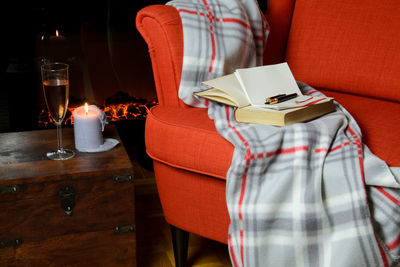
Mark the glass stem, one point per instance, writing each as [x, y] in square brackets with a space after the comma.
[59, 137]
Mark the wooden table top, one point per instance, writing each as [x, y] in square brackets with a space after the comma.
[23, 156]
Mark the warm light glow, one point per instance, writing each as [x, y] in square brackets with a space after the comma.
[114, 112]
[57, 33]
[125, 111]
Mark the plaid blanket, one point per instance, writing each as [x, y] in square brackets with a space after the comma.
[219, 37]
[308, 194]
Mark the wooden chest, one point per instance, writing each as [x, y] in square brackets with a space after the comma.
[54, 213]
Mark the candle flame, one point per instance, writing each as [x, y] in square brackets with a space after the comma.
[57, 33]
[86, 108]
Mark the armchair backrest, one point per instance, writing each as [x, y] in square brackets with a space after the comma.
[279, 15]
[342, 46]
[161, 28]
[347, 46]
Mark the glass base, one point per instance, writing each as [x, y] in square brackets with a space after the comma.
[62, 154]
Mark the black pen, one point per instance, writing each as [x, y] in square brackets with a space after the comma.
[281, 99]
[268, 99]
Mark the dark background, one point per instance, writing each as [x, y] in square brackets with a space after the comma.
[102, 24]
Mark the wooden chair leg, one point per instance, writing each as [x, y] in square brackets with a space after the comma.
[180, 242]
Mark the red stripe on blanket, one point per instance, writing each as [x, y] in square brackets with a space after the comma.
[234, 128]
[387, 195]
[213, 50]
[383, 254]
[317, 150]
[312, 102]
[339, 146]
[312, 92]
[286, 151]
[394, 244]
[238, 21]
[357, 142]
[231, 250]
[242, 190]
[210, 17]
[188, 11]
[242, 23]
[241, 247]
[249, 156]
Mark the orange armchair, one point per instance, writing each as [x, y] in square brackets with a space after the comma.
[191, 159]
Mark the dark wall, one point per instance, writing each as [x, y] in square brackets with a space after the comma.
[21, 28]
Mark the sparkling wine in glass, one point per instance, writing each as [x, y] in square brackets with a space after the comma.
[55, 81]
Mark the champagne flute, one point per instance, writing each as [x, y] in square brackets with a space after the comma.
[55, 79]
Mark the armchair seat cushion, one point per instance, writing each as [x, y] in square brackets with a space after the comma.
[187, 139]
[379, 121]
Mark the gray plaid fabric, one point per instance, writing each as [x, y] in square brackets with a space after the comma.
[217, 31]
[297, 195]
[308, 194]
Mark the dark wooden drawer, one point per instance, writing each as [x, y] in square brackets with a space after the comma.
[99, 204]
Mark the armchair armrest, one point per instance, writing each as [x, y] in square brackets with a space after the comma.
[161, 28]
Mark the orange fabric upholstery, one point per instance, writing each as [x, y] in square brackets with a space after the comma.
[347, 46]
[161, 27]
[193, 202]
[278, 16]
[193, 142]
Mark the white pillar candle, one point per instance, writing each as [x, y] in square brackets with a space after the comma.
[88, 128]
